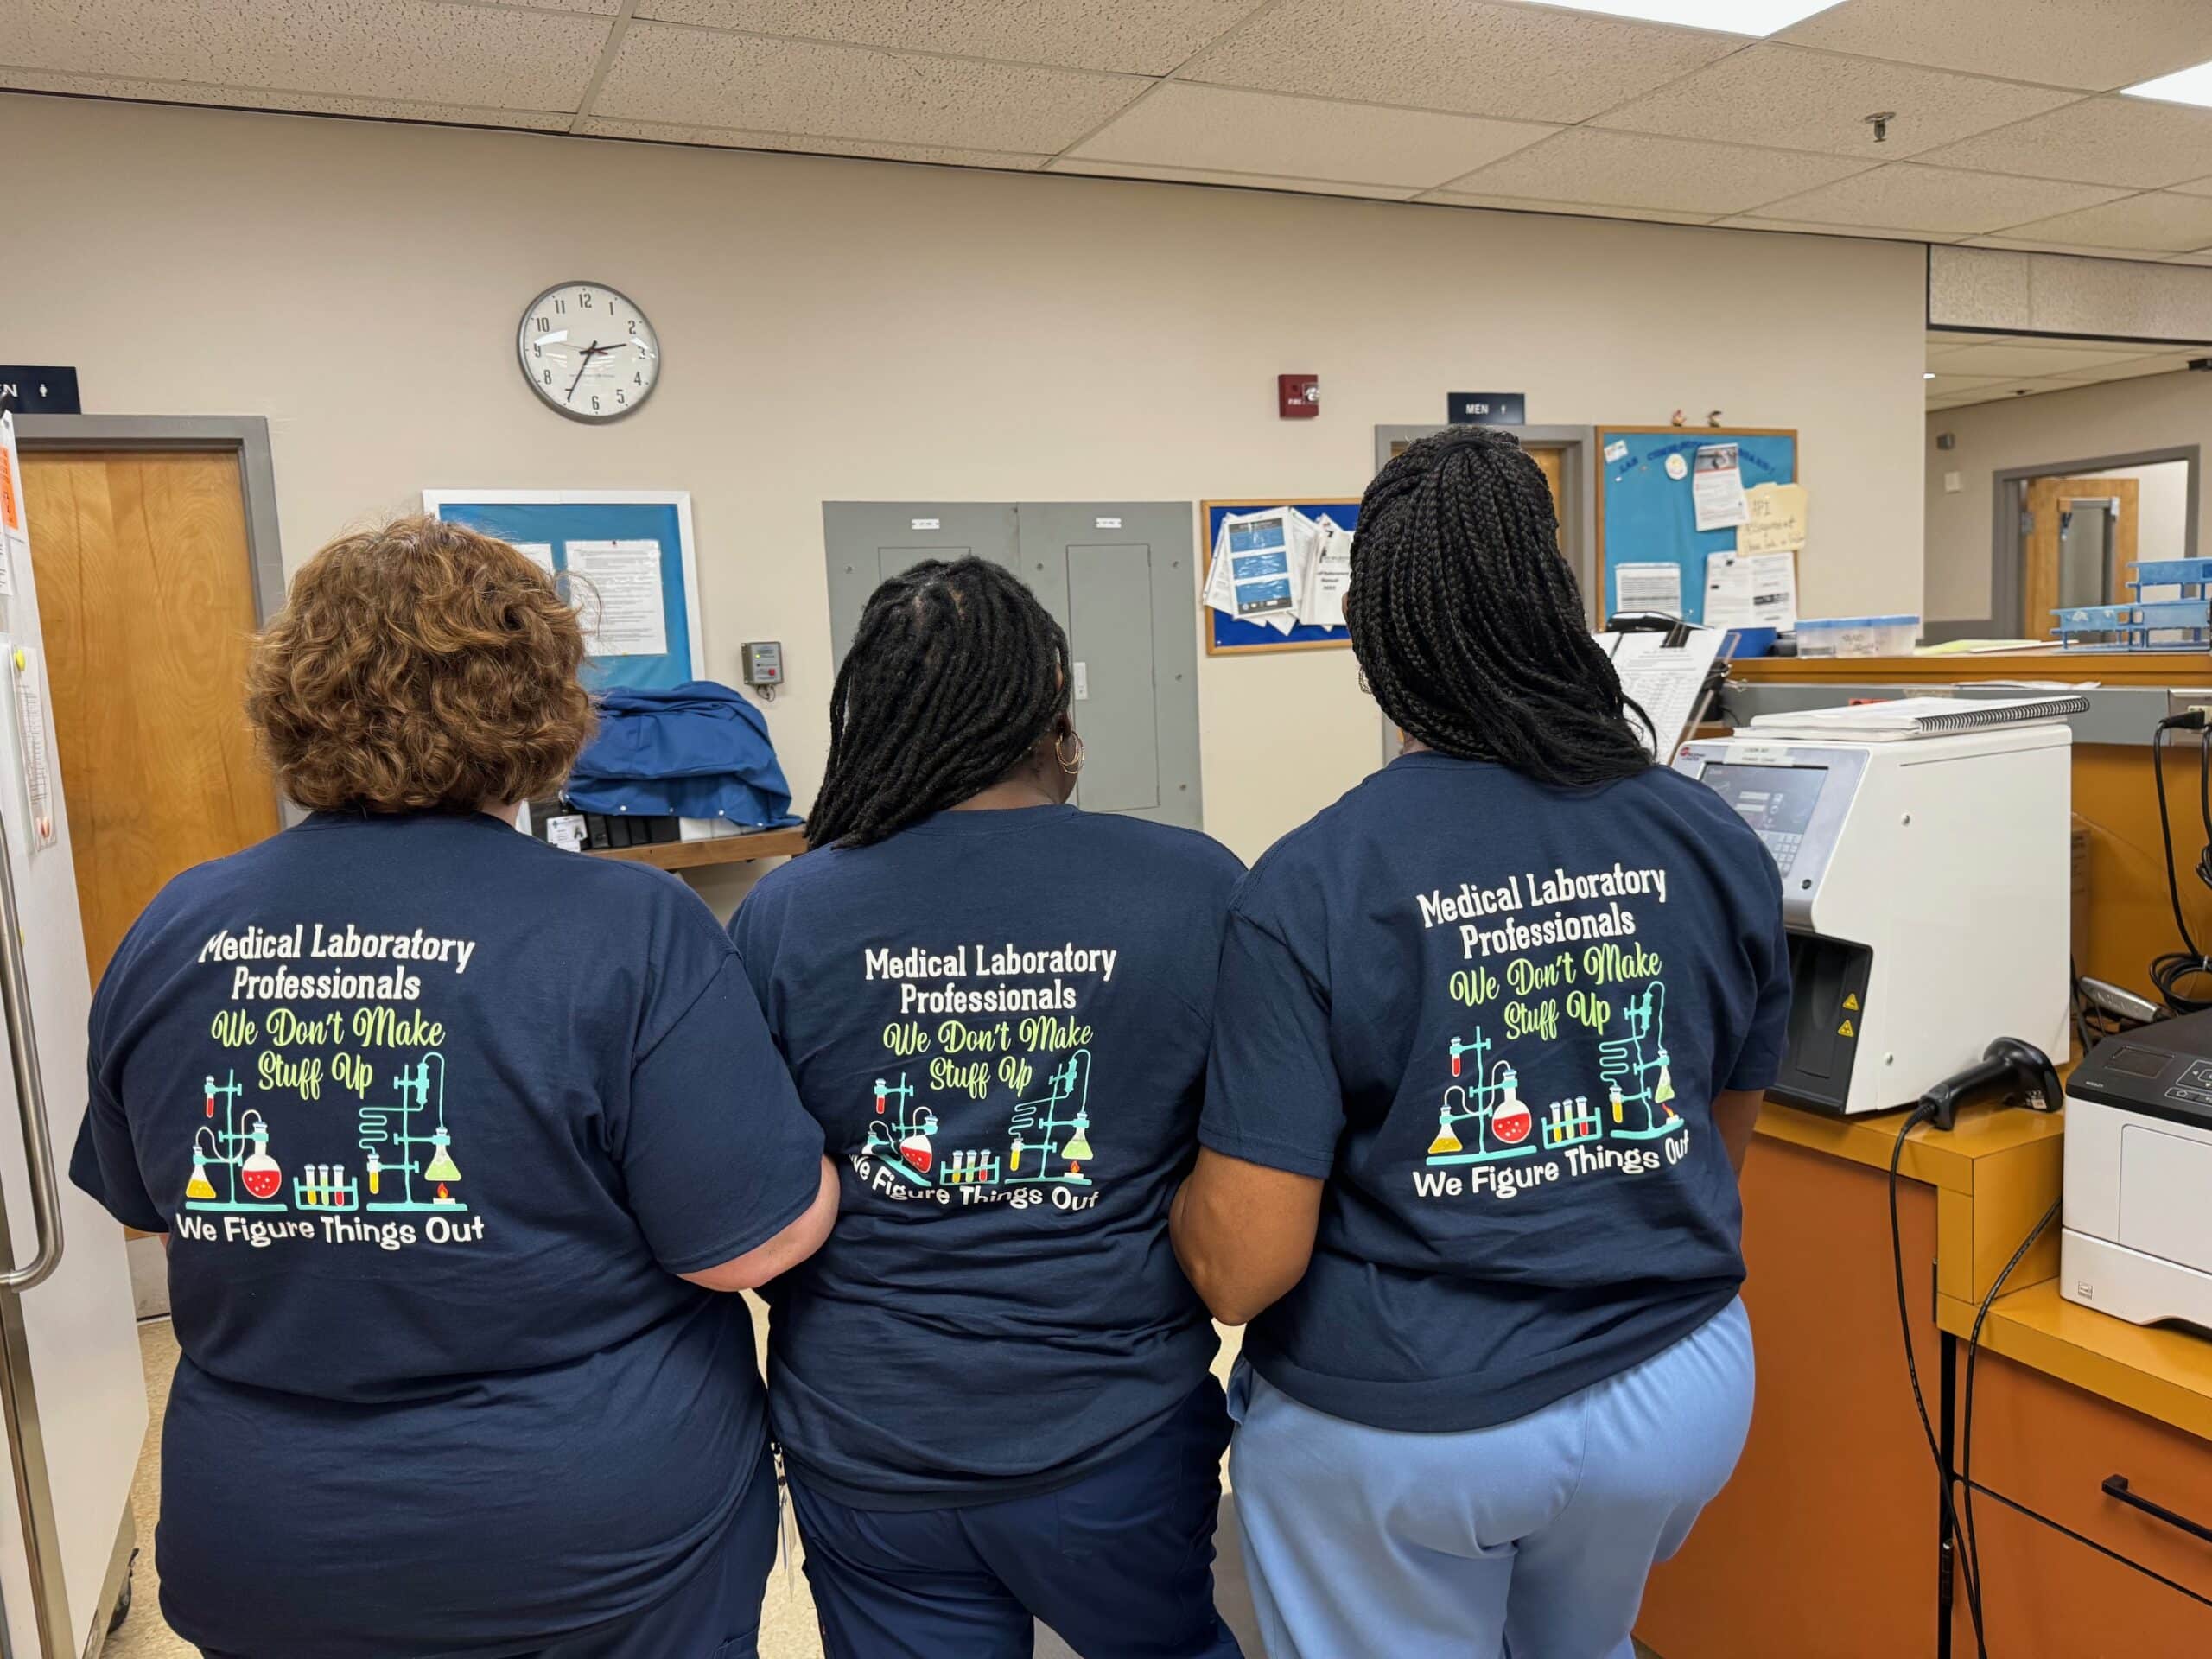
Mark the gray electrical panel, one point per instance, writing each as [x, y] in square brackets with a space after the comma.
[1117, 575]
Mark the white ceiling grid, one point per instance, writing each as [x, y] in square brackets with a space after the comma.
[2007, 132]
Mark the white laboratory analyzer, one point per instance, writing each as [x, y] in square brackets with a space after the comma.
[1924, 848]
[2138, 1239]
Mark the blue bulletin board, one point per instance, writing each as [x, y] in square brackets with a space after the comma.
[1229, 635]
[1645, 517]
[551, 519]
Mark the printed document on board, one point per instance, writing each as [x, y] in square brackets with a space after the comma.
[624, 612]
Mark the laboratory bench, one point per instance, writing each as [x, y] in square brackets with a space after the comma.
[1831, 1540]
[720, 850]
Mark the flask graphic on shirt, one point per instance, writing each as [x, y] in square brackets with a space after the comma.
[1512, 1119]
[259, 1175]
[916, 1148]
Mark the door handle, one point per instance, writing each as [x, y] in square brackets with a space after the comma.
[2116, 1486]
[31, 1086]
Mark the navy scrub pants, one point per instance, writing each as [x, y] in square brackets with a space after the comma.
[1119, 1563]
[714, 1614]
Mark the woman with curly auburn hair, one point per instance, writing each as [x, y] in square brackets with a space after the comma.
[454, 1138]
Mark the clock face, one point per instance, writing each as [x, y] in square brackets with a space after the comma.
[589, 351]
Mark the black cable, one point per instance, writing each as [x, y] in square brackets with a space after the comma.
[2173, 969]
[1965, 1428]
[1921, 1114]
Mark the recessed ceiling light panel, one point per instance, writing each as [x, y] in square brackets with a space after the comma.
[2183, 86]
[1731, 16]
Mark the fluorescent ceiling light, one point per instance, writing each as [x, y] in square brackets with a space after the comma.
[1930, 375]
[1731, 16]
[2183, 86]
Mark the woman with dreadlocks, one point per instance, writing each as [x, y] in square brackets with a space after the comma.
[991, 1386]
[1489, 1037]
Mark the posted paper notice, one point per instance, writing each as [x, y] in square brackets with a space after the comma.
[624, 612]
[1775, 519]
[1717, 488]
[1756, 590]
[1650, 587]
[538, 553]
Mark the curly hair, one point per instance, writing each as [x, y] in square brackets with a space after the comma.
[419, 667]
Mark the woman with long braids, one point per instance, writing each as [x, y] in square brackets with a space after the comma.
[991, 1386]
[1490, 1039]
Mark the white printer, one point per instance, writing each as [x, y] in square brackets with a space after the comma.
[1925, 852]
[2138, 1239]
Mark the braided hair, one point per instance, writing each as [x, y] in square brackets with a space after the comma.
[1467, 623]
[955, 676]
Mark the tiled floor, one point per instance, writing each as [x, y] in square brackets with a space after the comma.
[787, 1629]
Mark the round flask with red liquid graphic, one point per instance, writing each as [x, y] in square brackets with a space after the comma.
[1512, 1119]
[259, 1175]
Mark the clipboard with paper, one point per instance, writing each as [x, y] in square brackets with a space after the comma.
[1670, 670]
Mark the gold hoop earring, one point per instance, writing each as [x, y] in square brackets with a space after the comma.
[1060, 754]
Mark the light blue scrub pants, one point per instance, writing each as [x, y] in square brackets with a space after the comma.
[1530, 1540]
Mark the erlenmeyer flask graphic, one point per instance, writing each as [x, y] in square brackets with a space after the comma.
[1079, 1145]
[1447, 1138]
[442, 1167]
[199, 1187]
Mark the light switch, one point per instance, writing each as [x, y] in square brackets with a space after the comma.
[1950, 483]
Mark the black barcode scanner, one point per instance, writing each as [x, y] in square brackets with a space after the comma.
[2010, 1071]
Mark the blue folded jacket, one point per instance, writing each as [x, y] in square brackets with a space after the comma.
[694, 751]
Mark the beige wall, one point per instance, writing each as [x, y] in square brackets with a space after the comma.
[2120, 417]
[850, 330]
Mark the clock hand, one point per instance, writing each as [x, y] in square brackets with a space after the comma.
[571, 392]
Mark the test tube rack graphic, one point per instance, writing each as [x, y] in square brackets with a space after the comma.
[1636, 1063]
[972, 1169]
[882, 1141]
[378, 1129]
[229, 1144]
[1569, 1121]
[1034, 1132]
[1479, 1102]
[327, 1186]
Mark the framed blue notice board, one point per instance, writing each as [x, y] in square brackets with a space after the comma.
[639, 577]
[1228, 636]
[1646, 514]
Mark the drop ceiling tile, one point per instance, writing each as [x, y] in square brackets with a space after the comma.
[2079, 249]
[1144, 37]
[2095, 44]
[2195, 257]
[697, 78]
[1576, 209]
[1531, 63]
[1806, 228]
[263, 97]
[1243, 180]
[2027, 360]
[729, 138]
[1947, 385]
[1794, 99]
[1218, 129]
[2131, 141]
[2193, 187]
[1585, 164]
[597, 7]
[1914, 198]
[2135, 368]
[2159, 220]
[422, 51]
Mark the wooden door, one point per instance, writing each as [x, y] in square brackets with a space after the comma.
[146, 585]
[2046, 504]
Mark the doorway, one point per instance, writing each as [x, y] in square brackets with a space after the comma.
[1563, 455]
[153, 576]
[2071, 533]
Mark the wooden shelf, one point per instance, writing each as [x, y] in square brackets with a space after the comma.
[723, 849]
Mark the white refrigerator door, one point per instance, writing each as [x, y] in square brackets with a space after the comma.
[75, 1393]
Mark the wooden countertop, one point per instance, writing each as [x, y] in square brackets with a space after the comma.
[1994, 1175]
[721, 849]
[2146, 668]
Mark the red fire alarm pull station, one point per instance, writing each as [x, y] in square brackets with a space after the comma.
[1298, 397]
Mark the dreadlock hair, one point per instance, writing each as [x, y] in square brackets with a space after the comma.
[955, 675]
[1467, 623]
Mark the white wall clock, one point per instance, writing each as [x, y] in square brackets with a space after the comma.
[589, 351]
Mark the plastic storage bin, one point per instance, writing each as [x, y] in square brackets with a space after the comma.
[1857, 636]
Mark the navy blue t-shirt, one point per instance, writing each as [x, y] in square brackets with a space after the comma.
[1494, 1016]
[1000, 1019]
[434, 1114]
